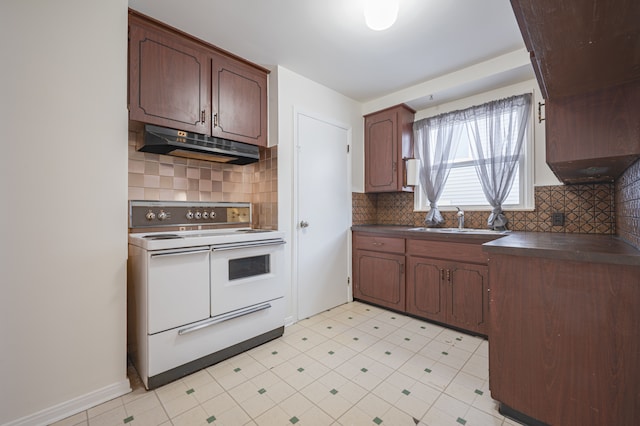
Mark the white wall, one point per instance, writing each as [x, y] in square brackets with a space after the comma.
[63, 192]
[295, 92]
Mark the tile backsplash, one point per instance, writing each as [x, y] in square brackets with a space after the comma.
[169, 178]
[587, 208]
[627, 205]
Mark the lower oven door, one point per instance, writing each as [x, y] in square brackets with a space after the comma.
[245, 274]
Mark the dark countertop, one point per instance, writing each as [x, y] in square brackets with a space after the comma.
[575, 247]
[404, 231]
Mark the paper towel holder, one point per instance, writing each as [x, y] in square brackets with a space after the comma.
[411, 171]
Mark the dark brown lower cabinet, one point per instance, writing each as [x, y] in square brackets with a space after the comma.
[379, 278]
[453, 293]
[564, 342]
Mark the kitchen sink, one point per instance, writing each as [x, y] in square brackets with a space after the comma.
[473, 231]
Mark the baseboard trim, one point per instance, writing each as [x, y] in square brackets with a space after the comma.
[73, 406]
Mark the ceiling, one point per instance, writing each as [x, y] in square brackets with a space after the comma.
[328, 42]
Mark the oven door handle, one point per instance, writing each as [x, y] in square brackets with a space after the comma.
[249, 244]
[179, 253]
[223, 318]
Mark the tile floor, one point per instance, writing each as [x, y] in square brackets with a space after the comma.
[352, 365]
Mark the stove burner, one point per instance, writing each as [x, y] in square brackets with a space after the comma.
[162, 237]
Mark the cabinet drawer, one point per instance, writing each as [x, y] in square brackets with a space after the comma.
[377, 243]
[463, 252]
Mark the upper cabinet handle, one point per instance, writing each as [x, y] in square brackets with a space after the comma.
[215, 120]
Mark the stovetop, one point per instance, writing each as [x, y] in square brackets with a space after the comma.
[198, 238]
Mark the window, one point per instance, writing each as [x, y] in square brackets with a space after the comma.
[462, 188]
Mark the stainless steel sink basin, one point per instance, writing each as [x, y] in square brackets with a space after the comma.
[460, 231]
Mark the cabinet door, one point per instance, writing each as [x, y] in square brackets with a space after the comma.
[240, 101]
[381, 152]
[468, 304]
[388, 139]
[379, 279]
[168, 80]
[425, 289]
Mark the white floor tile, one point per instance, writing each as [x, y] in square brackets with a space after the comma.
[355, 364]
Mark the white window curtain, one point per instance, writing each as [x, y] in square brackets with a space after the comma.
[436, 141]
[497, 131]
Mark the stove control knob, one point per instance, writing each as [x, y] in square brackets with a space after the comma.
[212, 214]
[162, 215]
[205, 215]
[150, 215]
[198, 215]
[189, 215]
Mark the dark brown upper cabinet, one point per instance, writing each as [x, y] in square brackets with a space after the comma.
[585, 56]
[580, 46]
[388, 141]
[240, 101]
[178, 81]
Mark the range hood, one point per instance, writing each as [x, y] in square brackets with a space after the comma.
[162, 140]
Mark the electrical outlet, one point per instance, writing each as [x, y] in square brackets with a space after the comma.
[557, 219]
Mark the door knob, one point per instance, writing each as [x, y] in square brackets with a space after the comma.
[304, 224]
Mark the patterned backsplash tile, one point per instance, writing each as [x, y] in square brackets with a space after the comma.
[169, 178]
[588, 209]
[627, 205]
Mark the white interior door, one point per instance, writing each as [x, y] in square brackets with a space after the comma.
[323, 214]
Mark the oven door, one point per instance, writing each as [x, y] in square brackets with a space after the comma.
[178, 288]
[245, 274]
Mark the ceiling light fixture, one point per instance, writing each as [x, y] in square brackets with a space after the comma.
[380, 14]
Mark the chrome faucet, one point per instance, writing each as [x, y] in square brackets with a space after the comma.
[460, 218]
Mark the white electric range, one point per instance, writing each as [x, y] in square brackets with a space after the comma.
[198, 296]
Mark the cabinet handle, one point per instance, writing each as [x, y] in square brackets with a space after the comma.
[395, 166]
[215, 120]
[442, 274]
[449, 275]
[377, 244]
[202, 116]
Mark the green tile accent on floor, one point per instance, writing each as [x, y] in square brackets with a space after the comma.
[406, 392]
[237, 370]
[376, 327]
[274, 353]
[459, 339]
[211, 419]
[355, 338]
[300, 369]
[305, 339]
[350, 317]
[261, 391]
[387, 353]
[364, 370]
[428, 370]
[445, 353]
[377, 420]
[333, 391]
[407, 339]
[479, 392]
[293, 420]
[331, 352]
[190, 391]
[461, 421]
[128, 419]
[329, 327]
